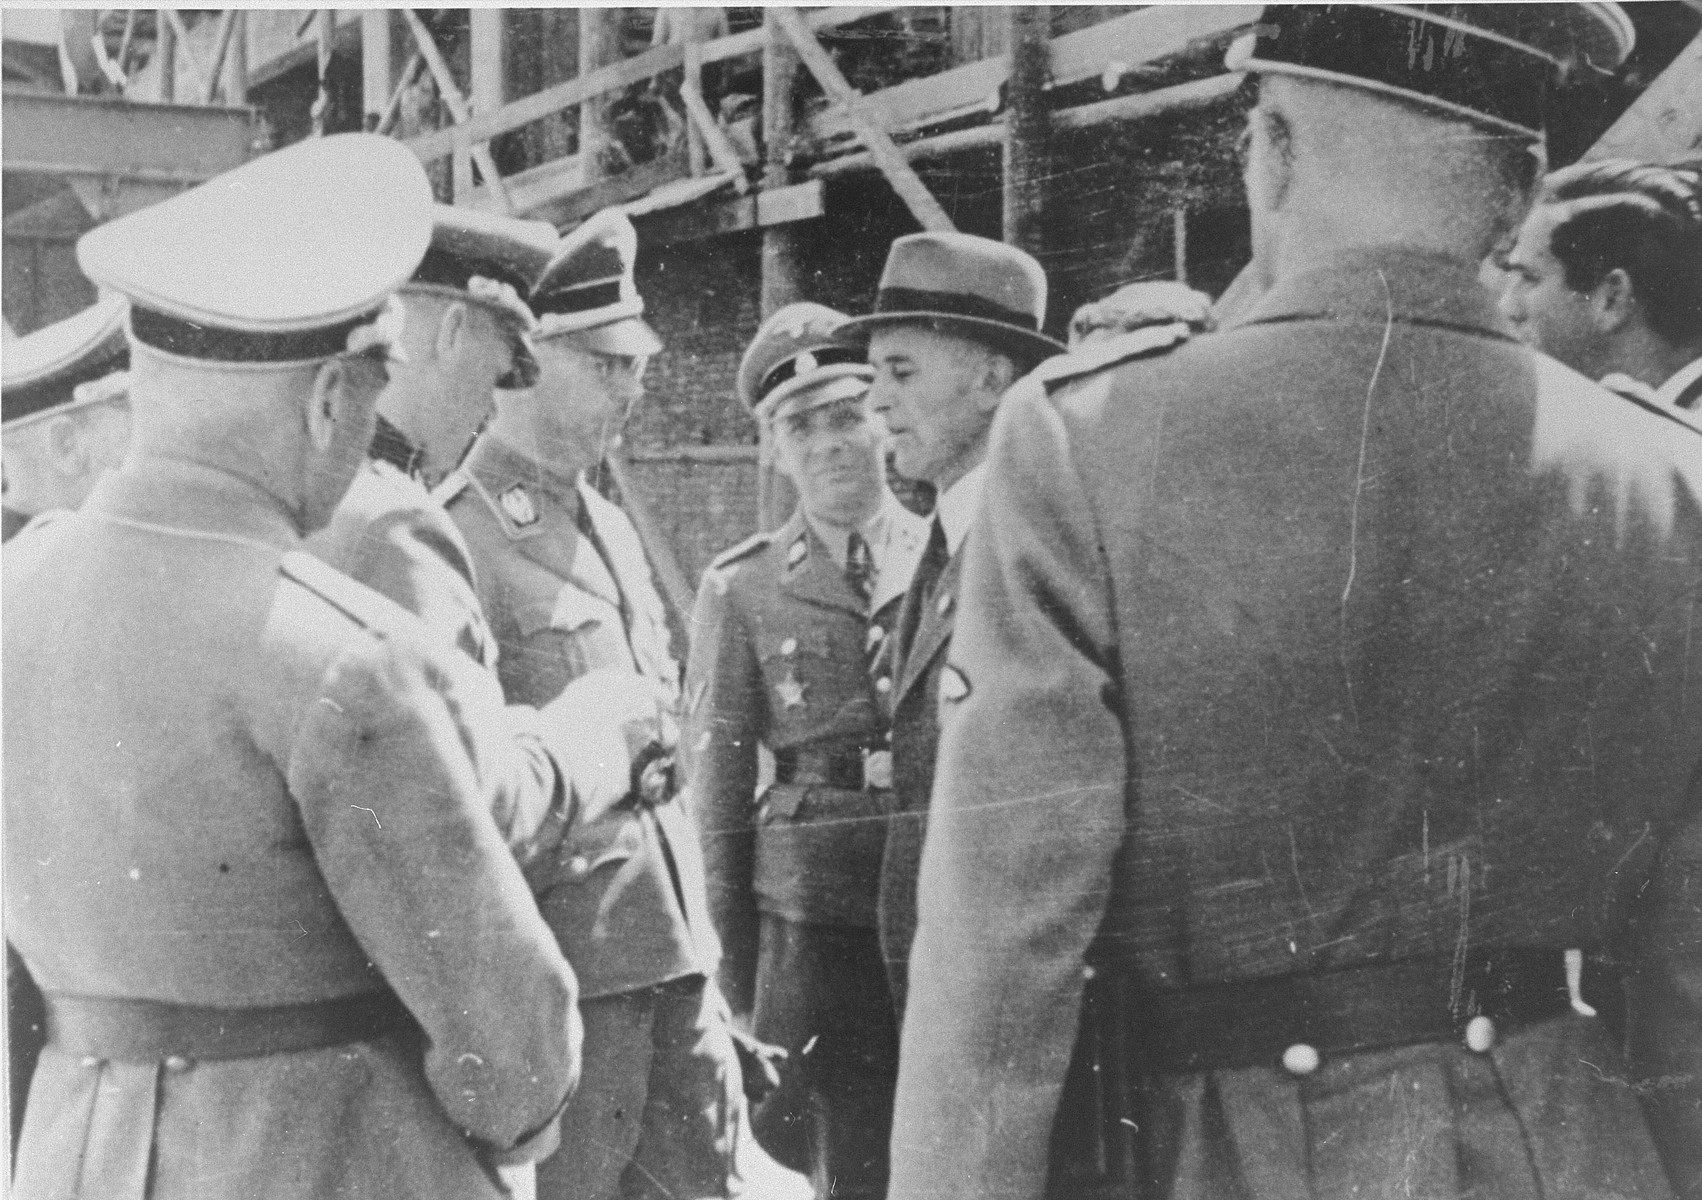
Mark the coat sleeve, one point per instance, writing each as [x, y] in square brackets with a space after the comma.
[723, 725]
[1027, 814]
[393, 805]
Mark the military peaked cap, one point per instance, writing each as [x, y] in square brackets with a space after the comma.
[798, 347]
[276, 261]
[1489, 63]
[43, 369]
[588, 288]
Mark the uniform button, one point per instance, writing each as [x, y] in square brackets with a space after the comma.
[1088, 974]
[90, 1060]
[883, 685]
[579, 866]
[789, 646]
[177, 1063]
[1300, 1059]
[1480, 1034]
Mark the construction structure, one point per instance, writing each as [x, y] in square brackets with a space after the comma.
[766, 155]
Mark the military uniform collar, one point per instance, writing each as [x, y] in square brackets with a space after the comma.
[391, 445]
[501, 463]
[1684, 389]
[190, 498]
[1381, 283]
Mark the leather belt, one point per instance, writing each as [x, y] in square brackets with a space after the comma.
[128, 1030]
[1298, 1019]
[841, 768]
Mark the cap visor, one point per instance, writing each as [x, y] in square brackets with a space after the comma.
[845, 381]
[630, 336]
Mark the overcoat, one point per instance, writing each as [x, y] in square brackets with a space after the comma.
[1353, 634]
[627, 900]
[237, 779]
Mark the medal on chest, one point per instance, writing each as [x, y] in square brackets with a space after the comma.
[790, 689]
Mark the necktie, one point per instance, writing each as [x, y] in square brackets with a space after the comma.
[859, 566]
[921, 592]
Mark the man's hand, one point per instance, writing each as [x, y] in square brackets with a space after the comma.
[611, 719]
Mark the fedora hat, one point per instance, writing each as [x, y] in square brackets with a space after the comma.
[798, 347]
[973, 286]
[1492, 64]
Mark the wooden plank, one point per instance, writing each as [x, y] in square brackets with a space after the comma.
[534, 187]
[898, 172]
[1199, 93]
[457, 104]
[752, 40]
[759, 210]
[720, 149]
[1128, 40]
[221, 47]
[573, 207]
[485, 77]
[553, 99]
[1666, 120]
[165, 53]
[375, 65]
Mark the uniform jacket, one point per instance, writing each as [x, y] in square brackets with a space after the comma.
[626, 896]
[779, 656]
[235, 778]
[1354, 632]
[915, 703]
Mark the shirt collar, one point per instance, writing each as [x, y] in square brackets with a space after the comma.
[1687, 379]
[837, 540]
[956, 507]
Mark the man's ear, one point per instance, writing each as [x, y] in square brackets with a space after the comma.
[324, 406]
[451, 331]
[1613, 301]
[997, 375]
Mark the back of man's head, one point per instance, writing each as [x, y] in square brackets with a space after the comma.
[1640, 218]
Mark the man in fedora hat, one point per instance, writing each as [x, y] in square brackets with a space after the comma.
[1322, 693]
[564, 582]
[249, 848]
[782, 636]
[956, 321]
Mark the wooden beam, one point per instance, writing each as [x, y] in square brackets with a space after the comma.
[1028, 127]
[221, 47]
[598, 47]
[393, 106]
[720, 149]
[1124, 42]
[573, 207]
[236, 81]
[764, 210]
[487, 86]
[375, 67]
[1666, 120]
[898, 172]
[752, 40]
[527, 109]
[165, 50]
[693, 78]
[1200, 93]
[185, 44]
[457, 105]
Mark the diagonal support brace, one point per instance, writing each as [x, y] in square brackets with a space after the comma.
[887, 155]
[457, 105]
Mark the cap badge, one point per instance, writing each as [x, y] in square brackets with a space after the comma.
[518, 505]
[790, 691]
[803, 364]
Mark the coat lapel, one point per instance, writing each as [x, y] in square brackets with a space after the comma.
[933, 631]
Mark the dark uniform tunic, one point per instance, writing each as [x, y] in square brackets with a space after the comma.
[562, 577]
[236, 779]
[1355, 635]
[780, 651]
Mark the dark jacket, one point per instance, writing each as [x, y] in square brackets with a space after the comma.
[1353, 633]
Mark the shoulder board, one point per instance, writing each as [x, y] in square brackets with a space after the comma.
[451, 488]
[746, 548]
[367, 608]
[1097, 356]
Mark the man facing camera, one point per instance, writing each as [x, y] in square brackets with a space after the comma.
[783, 632]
